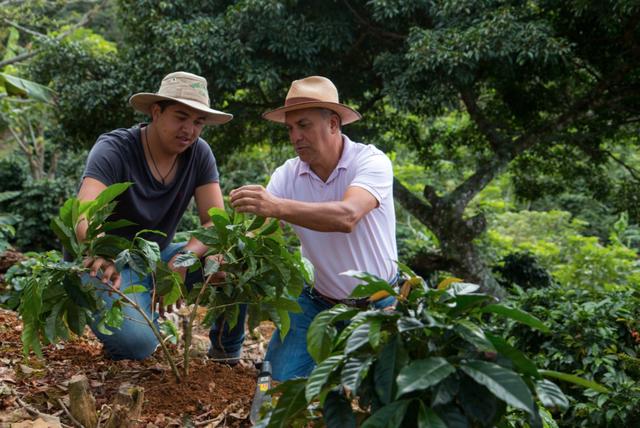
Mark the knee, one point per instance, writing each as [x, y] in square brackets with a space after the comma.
[130, 343]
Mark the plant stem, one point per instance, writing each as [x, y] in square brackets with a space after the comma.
[155, 331]
[189, 326]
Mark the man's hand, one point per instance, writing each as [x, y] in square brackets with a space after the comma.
[256, 200]
[107, 269]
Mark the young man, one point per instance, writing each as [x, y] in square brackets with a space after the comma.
[338, 196]
[169, 164]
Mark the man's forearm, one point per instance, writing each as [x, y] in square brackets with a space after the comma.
[334, 216]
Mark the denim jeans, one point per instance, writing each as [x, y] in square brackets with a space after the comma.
[290, 359]
[134, 339]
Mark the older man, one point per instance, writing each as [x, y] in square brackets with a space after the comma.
[169, 165]
[337, 195]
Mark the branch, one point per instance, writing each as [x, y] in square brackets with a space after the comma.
[469, 98]
[84, 20]
[425, 262]
[24, 29]
[418, 208]
[367, 24]
[632, 171]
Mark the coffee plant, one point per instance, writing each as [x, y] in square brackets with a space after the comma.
[432, 362]
[259, 272]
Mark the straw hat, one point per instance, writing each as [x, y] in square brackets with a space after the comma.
[313, 92]
[185, 88]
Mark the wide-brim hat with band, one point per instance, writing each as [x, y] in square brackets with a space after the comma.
[185, 88]
[313, 92]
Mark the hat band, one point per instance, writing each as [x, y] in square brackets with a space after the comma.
[299, 100]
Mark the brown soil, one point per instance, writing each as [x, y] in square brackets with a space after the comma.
[9, 258]
[214, 395]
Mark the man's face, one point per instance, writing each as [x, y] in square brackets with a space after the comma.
[309, 132]
[177, 127]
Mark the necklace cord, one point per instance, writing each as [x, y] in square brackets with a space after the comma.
[162, 177]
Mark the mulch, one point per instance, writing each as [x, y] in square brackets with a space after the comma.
[214, 395]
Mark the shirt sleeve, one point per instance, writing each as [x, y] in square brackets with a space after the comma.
[277, 182]
[105, 162]
[207, 167]
[375, 175]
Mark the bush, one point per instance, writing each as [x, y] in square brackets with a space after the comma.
[524, 270]
[595, 335]
[38, 203]
[555, 239]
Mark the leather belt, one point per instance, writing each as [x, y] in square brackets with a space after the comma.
[356, 303]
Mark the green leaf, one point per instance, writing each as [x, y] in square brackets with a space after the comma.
[257, 222]
[358, 338]
[409, 323]
[112, 225]
[111, 192]
[337, 411]
[372, 284]
[389, 416]
[474, 335]
[135, 289]
[422, 374]
[284, 323]
[517, 315]
[354, 370]
[17, 86]
[427, 418]
[321, 331]
[114, 317]
[150, 251]
[517, 357]
[576, 380]
[386, 366]
[211, 266]
[375, 324]
[551, 395]
[319, 376]
[271, 227]
[503, 383]
[185, 260]
[291, 402]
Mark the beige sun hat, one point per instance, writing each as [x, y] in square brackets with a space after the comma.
[313, 92]
[185, 88]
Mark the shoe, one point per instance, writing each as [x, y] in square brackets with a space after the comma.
[232, 359]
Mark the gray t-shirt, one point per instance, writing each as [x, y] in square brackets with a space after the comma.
[118, 156]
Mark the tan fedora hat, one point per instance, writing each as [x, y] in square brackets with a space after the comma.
[185, 88]
[313, 92]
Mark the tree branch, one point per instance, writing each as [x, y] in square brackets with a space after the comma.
[84, 20]
[367, 24]
[469, 98]
[412, 203]
[632, 171]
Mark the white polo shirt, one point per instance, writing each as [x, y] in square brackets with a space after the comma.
[371, 246]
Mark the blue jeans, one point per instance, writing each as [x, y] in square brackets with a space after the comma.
[290, 359]
[135, 340]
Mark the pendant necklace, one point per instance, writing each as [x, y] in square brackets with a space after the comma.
[162, 177]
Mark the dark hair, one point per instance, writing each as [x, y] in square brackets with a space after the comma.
[166, 103]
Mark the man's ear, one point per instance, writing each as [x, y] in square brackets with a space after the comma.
[155, 111]
[334, 123]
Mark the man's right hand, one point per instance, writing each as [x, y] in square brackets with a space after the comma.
[107, 269]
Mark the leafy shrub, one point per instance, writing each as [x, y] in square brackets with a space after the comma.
[555, 240]
[595, 335]
[7, 221]
[37, 205]
[13, 173]
[434, 361]
[524, 270]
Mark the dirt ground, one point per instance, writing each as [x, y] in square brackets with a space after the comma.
[34, 392]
